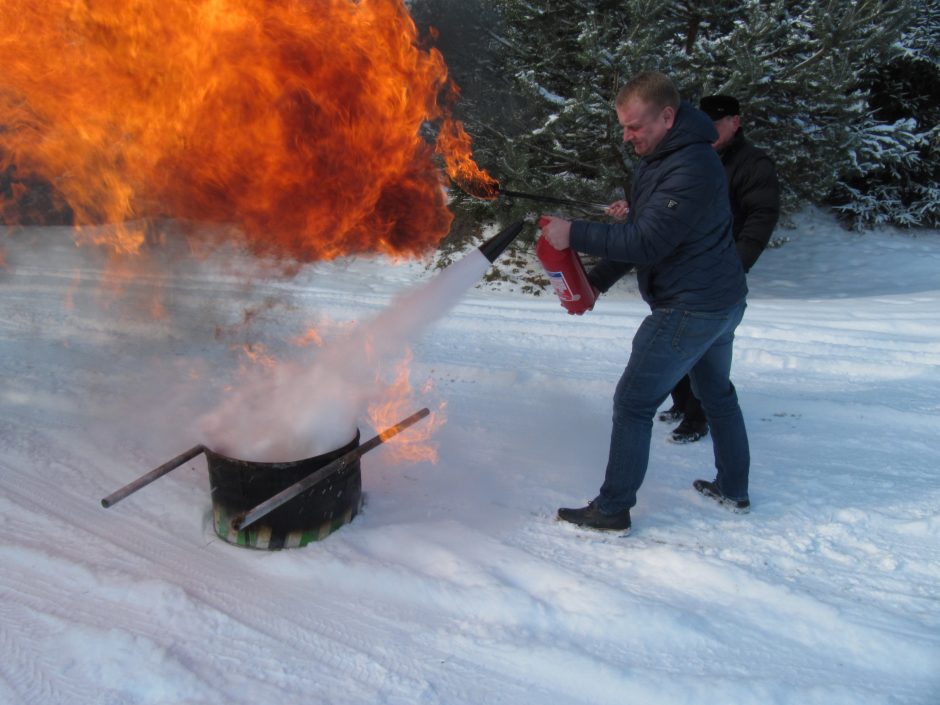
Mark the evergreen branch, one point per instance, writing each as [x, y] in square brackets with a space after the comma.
[563, 159]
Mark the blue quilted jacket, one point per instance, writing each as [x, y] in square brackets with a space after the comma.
[678, 231]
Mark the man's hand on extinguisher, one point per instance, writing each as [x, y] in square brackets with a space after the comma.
[556, 230]
[618, 210]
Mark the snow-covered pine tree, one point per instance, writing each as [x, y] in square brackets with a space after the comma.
[895, 176]
[796, 66]
[568, 59]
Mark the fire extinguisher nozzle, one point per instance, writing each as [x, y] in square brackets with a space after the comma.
[494, 247]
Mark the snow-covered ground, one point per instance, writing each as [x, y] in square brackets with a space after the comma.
[456, 584]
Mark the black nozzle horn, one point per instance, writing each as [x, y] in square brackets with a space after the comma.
[493, 247]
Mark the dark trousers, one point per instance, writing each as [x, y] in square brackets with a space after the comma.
[684, 399]
[669, 344]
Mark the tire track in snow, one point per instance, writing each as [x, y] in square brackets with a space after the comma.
[328, 635]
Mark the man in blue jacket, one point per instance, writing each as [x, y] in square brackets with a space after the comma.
[678, 235]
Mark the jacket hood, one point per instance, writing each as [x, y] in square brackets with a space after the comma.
[691, 126]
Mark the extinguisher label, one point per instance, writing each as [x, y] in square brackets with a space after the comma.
[560, 285]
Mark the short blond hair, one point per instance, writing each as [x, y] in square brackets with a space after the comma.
[652, 87]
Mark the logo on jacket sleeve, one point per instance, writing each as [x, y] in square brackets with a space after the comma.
[672, 204]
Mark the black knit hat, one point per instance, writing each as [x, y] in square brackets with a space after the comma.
[719, 106]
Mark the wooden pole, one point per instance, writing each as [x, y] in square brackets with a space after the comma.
[154, 474]
[592, 205]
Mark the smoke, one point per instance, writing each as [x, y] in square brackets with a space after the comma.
[294, 410]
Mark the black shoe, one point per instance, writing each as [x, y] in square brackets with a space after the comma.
[689, 431]
[672, 415]
[592, 517]
[710, 489]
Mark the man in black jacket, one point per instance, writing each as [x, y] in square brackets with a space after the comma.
[678, 234]
[755, 206]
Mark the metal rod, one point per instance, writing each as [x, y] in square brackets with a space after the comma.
[154, 474]
[291, 491]
[553, 199]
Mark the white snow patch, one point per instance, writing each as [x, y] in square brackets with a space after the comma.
[456, 584]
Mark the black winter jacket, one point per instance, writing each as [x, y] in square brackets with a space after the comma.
[755, 196]
[678, 231]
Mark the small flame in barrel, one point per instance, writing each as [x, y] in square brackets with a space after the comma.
[397, 401]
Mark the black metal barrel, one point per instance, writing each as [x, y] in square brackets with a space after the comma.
[239, 485]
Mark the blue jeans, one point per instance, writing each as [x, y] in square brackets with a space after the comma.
[669, 344]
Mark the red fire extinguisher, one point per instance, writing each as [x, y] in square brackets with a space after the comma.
[566, 273]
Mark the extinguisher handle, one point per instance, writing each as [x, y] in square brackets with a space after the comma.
[543, 221]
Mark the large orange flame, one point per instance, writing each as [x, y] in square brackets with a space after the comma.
[301, 121]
